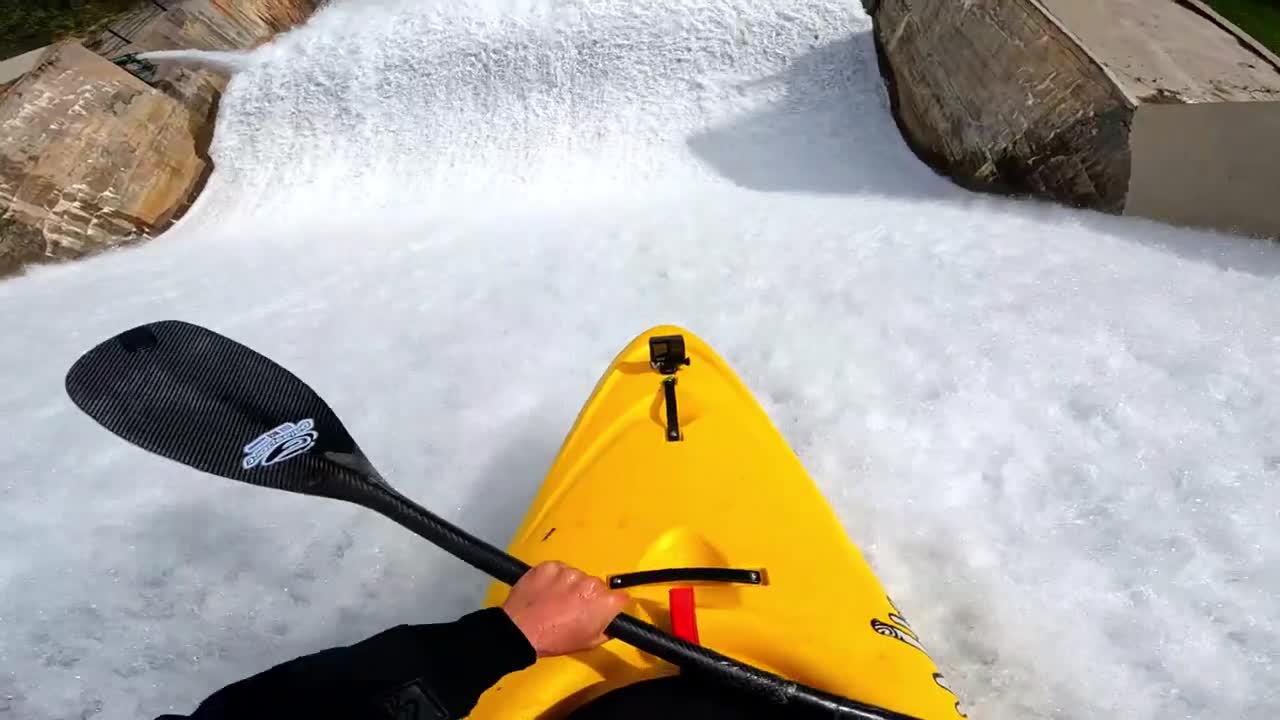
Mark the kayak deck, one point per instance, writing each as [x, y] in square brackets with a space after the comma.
[624, 496]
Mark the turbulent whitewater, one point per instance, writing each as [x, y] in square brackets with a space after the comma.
[1052, 432]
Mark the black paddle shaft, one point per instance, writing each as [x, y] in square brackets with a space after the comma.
[191, 395]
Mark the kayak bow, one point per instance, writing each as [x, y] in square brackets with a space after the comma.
[674, 477]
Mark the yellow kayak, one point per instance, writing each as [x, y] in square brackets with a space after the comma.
[674, 468]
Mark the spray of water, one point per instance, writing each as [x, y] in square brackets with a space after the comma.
[224, 61]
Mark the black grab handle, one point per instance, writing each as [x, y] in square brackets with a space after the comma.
[685, 575]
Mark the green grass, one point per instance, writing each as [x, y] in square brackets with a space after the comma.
[1259, 18]
[29, 24]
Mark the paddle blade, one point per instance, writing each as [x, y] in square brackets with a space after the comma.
[191, 395]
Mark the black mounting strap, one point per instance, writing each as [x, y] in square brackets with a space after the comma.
[673, 413]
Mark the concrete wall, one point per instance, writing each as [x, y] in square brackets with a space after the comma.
[1212, 165]
[1000, 98]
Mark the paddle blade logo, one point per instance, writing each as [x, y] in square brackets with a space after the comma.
[280, 443]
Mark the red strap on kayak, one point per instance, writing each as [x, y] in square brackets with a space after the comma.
[684, 615]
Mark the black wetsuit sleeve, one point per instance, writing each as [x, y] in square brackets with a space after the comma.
[412, 671]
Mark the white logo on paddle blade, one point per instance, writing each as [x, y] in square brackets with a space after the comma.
[280, 444]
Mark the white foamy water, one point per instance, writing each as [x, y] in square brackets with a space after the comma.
[1051, 431]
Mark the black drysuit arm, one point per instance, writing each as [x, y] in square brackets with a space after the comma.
[410, 672]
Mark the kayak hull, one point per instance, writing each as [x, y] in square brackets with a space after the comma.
[622, 497]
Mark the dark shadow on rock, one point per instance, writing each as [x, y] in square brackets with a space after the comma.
[828, 132]
[203, 125]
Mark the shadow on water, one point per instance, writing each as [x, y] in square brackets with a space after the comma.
[503, 493]
[1231, 253]
[195, 550]
[496, 504]
[215, 544]
[830, 131]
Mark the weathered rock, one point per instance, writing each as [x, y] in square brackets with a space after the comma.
[200, 25]
[267, 17]
[205, 25]
[1000, 99]
[93, 158]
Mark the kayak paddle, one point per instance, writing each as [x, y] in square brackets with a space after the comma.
[191, 395]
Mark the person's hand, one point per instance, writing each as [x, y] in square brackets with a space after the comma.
[561, 609]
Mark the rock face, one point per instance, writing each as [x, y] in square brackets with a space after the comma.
[94, 155]
[92, 158]
[264, 18]
[1000, 99]
[205, 25]
[1160, 109]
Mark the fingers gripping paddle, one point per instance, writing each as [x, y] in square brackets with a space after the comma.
[191, 395]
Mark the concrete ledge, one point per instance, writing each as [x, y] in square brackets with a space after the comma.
[1167, 50]
[1240, 35]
